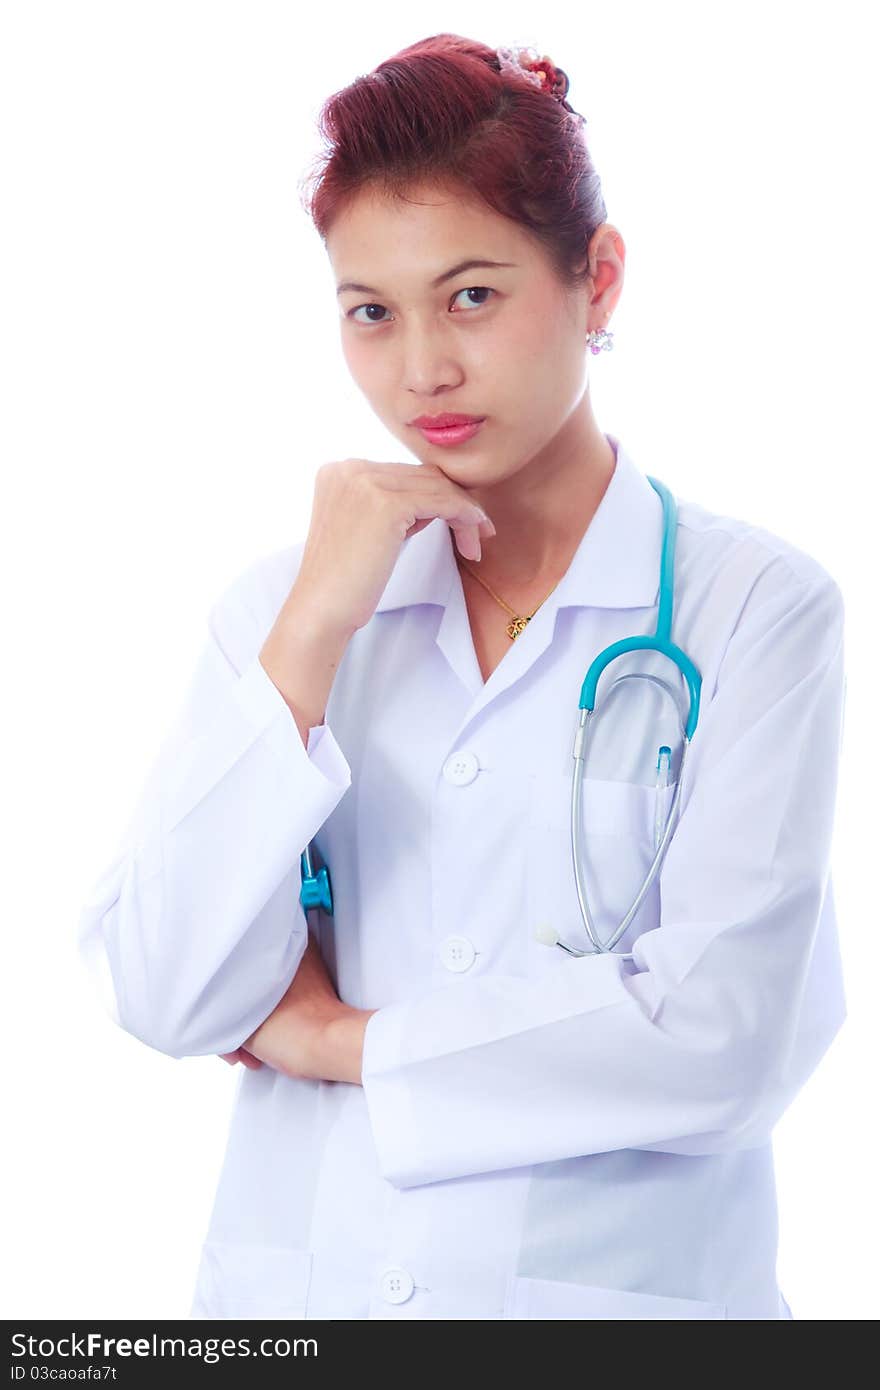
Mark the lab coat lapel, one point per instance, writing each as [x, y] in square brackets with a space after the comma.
[455, 640]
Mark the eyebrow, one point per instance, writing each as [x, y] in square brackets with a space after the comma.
[470, 264]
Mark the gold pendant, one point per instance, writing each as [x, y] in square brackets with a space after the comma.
[516, 627]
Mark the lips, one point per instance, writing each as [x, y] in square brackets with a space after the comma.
[451, 434]
[445, 421]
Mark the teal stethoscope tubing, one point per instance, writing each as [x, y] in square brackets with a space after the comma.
[661, 641]
[316, 889]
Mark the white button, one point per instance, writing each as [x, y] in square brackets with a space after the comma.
[457, 953]
[461, 768]
[397, 1285]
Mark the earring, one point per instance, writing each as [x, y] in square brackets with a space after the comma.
[598, 339]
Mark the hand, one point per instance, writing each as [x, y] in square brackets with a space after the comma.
[314, 988]
[241, 1054]
[310, 1032]
[362, 512]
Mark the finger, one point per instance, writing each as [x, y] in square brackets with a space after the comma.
[485, 528]
[432, 491]
[468, 538]
[465, 518]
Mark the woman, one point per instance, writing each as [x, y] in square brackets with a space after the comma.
[439, 1115]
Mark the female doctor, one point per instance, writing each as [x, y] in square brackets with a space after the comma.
[465, 1093]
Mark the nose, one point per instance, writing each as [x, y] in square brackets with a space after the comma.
[427, 363]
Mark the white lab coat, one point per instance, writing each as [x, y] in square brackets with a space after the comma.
[537, 1135]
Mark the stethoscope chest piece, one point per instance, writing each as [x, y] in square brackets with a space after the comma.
[316, 890]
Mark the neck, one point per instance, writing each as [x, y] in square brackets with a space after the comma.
[542, 512]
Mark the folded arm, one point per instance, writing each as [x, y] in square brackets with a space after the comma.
[195, 930]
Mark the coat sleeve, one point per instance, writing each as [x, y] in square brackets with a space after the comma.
[699, 1043]
[194, 931]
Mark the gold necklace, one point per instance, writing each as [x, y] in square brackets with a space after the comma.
[518, 624]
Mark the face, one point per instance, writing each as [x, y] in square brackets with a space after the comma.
[505, 342]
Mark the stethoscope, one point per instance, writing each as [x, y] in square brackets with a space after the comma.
[316, 888]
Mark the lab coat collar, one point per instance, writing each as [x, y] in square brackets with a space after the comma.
[616, 565]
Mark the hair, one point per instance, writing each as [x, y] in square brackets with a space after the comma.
[451, 111]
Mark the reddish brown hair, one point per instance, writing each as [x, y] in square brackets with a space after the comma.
[444, 110]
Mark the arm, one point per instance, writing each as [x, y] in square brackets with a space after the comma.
[195, 929]
[698, 1045]
[311, 1033]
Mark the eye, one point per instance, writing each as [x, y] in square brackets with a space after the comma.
[475, 289]
[351, 313]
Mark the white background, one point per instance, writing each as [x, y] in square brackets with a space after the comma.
[172, 377]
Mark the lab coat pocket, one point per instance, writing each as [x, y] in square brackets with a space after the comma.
[555, 1298]
[619, 822]
[251, 1281]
